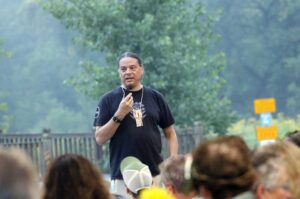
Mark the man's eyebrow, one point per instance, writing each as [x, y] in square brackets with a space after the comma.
[129, 65]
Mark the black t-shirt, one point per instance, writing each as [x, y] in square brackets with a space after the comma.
[142, 142]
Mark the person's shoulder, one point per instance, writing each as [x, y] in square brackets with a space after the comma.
[153, 91]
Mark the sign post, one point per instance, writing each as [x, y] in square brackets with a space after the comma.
[266, 132]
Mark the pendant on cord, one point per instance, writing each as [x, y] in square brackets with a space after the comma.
[138, 116]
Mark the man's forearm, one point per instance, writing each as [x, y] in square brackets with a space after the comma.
[104, 133]
[173, 145]
[172, 139]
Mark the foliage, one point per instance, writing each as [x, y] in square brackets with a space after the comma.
[33, 80]
[172, 37]
[5, 118]
[261, 40]
[62, 120]
[246, 128]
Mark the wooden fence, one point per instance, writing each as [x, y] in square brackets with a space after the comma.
[46, 146]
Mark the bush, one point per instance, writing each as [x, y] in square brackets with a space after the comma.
[246, 128]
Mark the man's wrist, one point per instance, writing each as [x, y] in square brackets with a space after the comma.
[116, 119]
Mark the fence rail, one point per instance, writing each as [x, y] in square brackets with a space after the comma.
[46, 146]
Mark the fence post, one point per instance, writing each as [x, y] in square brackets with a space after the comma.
[198, 134]
[46, 148]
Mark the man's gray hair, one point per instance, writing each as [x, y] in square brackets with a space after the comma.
[268, 172]
[173, 171]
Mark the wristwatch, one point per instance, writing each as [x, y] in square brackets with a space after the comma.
[116, 119]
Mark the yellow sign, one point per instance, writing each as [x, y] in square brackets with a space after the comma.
[267, 105]
[266, 133]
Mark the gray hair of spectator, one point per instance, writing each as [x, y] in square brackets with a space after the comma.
[268, 172]
[173, 171]
[18, 175]
[287, 155]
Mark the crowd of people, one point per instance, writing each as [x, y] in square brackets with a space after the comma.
[219, 168]
[130, 118]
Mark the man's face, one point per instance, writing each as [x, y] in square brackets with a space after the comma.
[130, 73]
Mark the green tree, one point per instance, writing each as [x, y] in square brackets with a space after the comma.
[34, 78]
[261, 40]
[172, 37]
[5, 118]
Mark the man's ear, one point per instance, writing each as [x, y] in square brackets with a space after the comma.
[119, 73]
[170, 188]
[143, 70]
[260, 191]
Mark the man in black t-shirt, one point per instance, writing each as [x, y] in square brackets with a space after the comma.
[130, 116]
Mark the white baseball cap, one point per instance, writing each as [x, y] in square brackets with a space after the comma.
[136, 175]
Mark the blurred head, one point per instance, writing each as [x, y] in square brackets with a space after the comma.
[222, 167]
[277, 166]
[131, 70]
[173, 176]
[272, 180]
[294, 137]
[73, 176]
[18, 176]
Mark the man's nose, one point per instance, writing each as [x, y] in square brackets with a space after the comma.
[128, 70]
